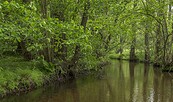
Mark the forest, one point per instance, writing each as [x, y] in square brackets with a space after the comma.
[47, 40]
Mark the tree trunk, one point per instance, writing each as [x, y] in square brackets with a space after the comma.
[44, 8]
[147, 49]
[132, 50]
[26, 1]
[21, 47]
[171, 24]
[22, 50]
[120, 50]
[47, 52]
[62, 48]
[157, 60]
[75, 58]
[83, 23]
[158, 45]
[133, 44]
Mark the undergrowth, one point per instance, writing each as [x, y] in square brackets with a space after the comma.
[15, 73]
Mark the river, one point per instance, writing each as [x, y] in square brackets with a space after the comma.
[121, 82]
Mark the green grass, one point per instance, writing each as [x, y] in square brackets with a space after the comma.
[125, 55]
[140, 54]
[15, 71]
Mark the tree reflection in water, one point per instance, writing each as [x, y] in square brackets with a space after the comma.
[145, 82]
[122, 82]
[132, 80]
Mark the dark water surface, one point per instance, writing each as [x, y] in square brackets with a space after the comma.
[121, 82]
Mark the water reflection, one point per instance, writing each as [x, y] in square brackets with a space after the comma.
[71, 94]
[145, 83]
[131, 80]
[122, 82]
[163, 87]
[156, 91]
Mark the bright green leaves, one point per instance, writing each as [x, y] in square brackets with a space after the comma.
[22, 23]
[6, 3]
[15, 23]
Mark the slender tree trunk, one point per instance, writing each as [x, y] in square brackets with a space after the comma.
[158, 44]
[44, 8]
[132, 50]
[162, 37]
[83, 23]
[121, 48]
[47, 52]
[170, 24]
[158, 47]
[165, 34]
[62, 48]
[147, 49]
[75, 58]
[133, 44]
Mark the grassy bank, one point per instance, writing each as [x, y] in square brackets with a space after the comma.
[18, 75]
[140, 55]
[140, 58]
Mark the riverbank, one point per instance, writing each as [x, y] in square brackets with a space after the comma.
[18, 76]
[120, 80]
[140, 59]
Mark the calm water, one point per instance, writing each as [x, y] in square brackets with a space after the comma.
[121, 82]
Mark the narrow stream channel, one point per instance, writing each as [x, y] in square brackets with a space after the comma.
[122, 82]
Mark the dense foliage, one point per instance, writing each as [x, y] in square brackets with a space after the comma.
[67, 36]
